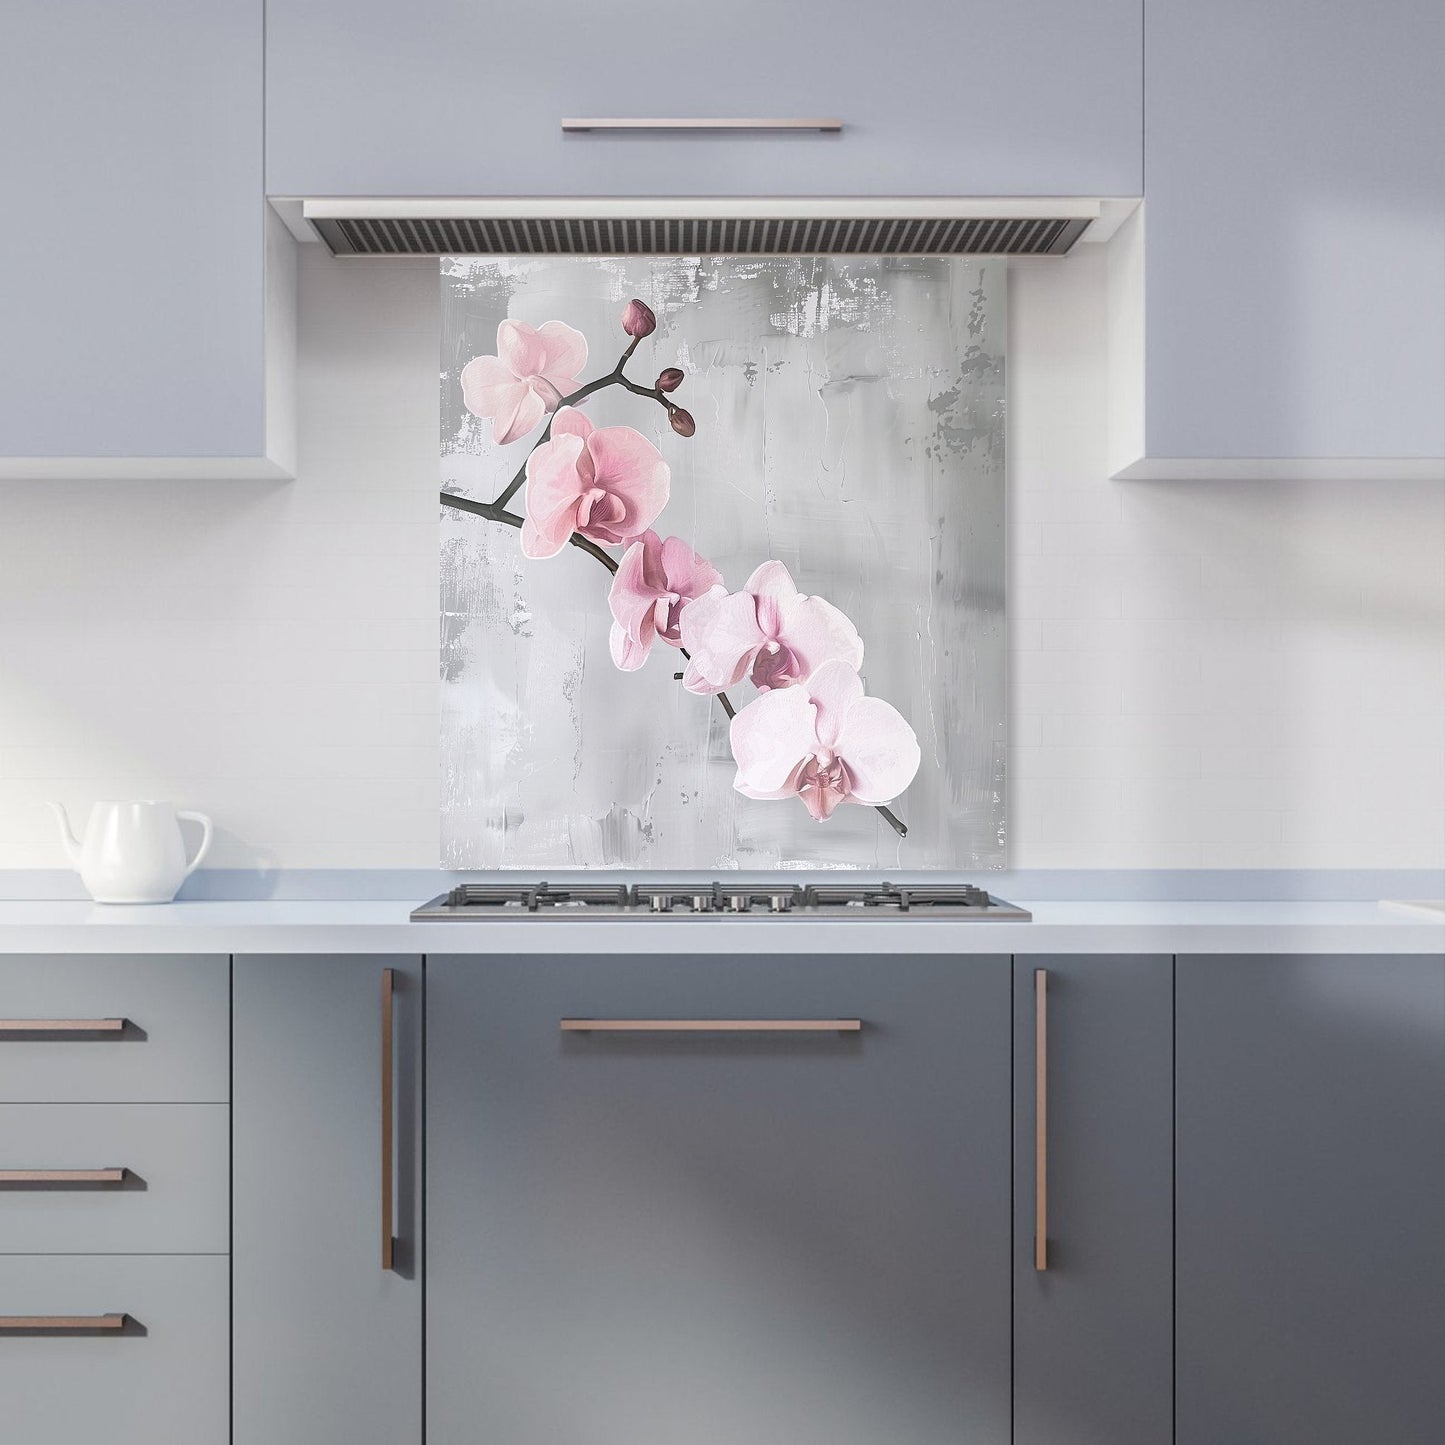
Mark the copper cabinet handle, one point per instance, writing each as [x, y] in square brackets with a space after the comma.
[703, 124]
[388, 1118]
[1041, 1118]
[63, 1176]
[711, 1026]
[88, 1028]
[81, 1324]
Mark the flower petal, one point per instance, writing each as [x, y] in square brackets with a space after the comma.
[834, 688]
[773, 580]
[571, 422]
[880, 749]
[627, 653]
[627, 466]
[565, 354]
[772, 584]
[685, 572]
[552, 496]
[771, 737]
[517, 420]
[485, 381]
[632, 597]
[520, 348]
[720, 630]
[548, 535]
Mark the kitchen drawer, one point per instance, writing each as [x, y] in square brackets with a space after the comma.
[161, 1380]
[172, 1198]
[174, 1047]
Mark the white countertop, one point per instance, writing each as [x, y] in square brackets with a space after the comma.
[382, 927]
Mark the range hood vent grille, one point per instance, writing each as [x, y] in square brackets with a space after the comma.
[672, 236]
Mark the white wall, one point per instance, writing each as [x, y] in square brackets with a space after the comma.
[1214, 675]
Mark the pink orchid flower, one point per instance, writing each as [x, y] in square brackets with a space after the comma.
[607, 483]
[769, 630]
[824, 742]
[534, 368]
[655, 581]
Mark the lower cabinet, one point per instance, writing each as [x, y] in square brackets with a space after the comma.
[1093, 1307]
[786, 1229]
[1311, 1193]
[128, 1349]
[326, 1331]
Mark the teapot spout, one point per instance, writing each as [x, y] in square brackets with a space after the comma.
[68, 840]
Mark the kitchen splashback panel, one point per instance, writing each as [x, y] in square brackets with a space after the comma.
[815, 514]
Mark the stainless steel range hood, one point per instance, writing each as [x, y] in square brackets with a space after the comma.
[904, 226]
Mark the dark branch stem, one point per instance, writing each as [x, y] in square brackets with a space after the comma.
[495, 512]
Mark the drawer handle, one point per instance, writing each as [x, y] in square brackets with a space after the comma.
[69, 1324]
[63, 1176]
[82, 1028]
[711, 1026]
[388, 1118]
[701, 124]
[1041, 1119]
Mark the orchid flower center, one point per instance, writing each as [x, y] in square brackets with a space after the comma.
[597, 505]
[775, 666]
[551, 397]
[822, 781]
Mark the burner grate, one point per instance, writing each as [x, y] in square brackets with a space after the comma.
[715, 899]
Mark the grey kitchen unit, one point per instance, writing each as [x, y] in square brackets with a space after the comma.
[327, 1293]
[149, 320]
[952, 97]
[1310, 1144]
[680, 1198]
[1093, 1227]
[114, 1193]
[1286, 227]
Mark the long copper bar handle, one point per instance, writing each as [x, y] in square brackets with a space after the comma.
[711, 1026]
[88, 1027]
[388, 1117]
[62, 1176]
[81, 1324]
[1041, 1118]
[824, 125]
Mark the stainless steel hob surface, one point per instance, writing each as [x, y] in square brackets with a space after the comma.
[952, 901]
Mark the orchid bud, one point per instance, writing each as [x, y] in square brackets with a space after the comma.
[638, 320]
[670, 379]
[682, 422]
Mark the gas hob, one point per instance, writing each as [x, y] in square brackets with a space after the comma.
[510, 901]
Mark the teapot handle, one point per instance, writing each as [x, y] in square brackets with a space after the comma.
[201, 852]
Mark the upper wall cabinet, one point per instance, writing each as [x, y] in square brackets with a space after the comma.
[1293, 258]
[142, 296]
[937, 97]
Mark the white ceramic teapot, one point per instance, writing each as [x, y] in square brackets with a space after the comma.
[133, 852]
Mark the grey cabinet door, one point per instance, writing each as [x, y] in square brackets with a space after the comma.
[1311, 1189]
[327, 1344]
[158, 1380]
[943, 97]
[639, 1239]
[1295, 248]
[133, 296]
[1093, 1353]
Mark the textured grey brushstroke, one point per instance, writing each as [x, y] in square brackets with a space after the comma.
[850, 422]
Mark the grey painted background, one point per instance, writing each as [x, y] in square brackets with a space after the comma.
[849, 423]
